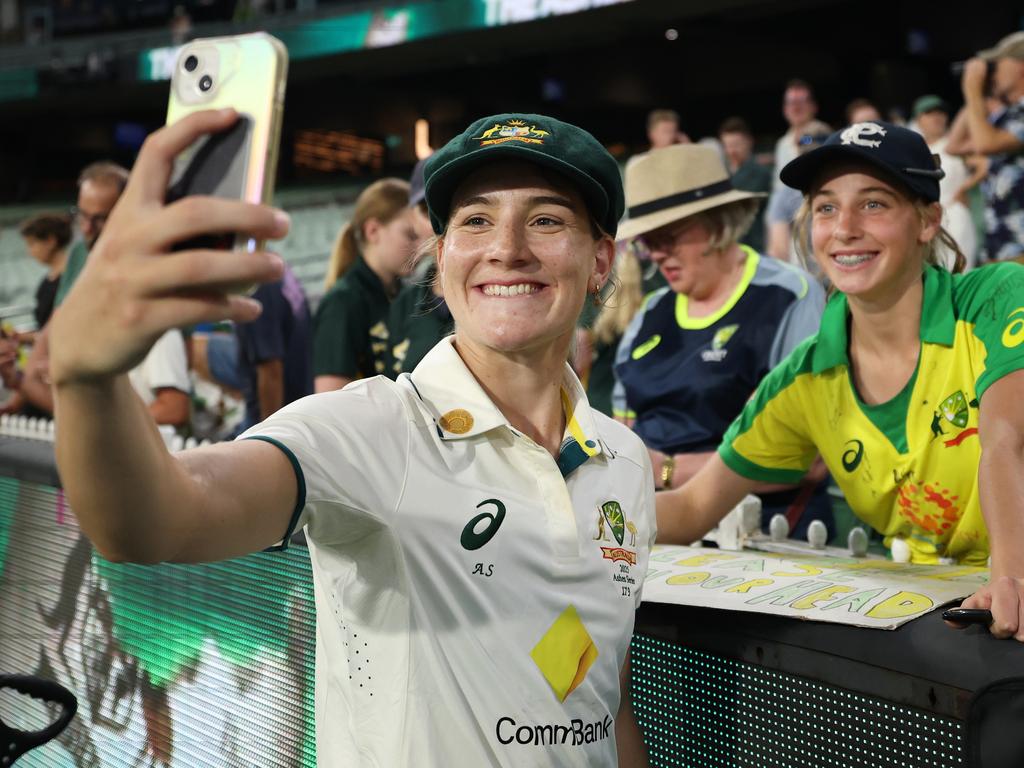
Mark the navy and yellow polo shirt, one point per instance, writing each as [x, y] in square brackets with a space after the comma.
[908, 467]
[684, 379]
[350, 328]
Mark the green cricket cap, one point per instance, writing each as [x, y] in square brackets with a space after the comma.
[545, 141]
[929, 103]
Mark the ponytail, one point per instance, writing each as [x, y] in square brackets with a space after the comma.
[343, 255]
[383, 200]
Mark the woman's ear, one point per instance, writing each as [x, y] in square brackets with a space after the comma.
[371, 230]
[439, 257]
[604, 258]
[931, 223]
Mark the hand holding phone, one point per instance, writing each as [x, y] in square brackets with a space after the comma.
[246, 73]
[134, 287]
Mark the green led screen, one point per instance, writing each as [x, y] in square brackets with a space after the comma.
[172, 665]
[699, 710]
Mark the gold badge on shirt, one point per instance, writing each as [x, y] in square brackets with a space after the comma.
[458, 421]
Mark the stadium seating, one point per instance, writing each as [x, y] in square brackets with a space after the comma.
[307, 249]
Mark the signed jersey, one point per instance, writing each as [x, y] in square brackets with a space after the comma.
[475, 596]
[909, 466]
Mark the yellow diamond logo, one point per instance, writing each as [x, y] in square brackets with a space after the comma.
[565, 654]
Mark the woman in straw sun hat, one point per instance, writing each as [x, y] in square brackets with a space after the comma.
[478, 535]
[697, 351]
[910, 391]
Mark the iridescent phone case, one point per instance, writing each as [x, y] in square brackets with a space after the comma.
[248, 73]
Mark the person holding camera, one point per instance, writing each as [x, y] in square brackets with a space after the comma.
[1000, 137]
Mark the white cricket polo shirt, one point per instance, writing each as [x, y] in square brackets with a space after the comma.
[475, 599]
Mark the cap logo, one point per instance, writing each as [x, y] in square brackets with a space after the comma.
[513, 130]
[855, 134]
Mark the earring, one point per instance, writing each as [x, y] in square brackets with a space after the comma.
[597, 294]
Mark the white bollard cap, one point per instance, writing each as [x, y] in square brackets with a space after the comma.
[778, 528]
[817, 534]
[857, 541]
[900, 551]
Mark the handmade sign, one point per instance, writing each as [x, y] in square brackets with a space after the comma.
[844, 590]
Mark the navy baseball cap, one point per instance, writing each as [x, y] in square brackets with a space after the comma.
[900, 153]
[562, 147]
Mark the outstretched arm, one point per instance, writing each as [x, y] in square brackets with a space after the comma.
[687, 513]
[132, 497]
[1001, 486]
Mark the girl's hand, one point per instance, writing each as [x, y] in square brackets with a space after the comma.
[1004, 596]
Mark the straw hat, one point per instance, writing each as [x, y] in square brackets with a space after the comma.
[669, 184]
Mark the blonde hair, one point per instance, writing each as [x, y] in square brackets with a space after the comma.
[728, 223]
[383, 200]
[616, 314]
[933, 250]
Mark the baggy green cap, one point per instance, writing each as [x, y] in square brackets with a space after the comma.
[548, 142]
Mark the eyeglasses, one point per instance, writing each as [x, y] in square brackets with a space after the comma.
[95, 220]
[661, 239]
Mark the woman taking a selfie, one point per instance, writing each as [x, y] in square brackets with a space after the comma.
[911, 389]
[478, 535]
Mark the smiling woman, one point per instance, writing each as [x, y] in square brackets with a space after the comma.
[467, 524]
[910, 391]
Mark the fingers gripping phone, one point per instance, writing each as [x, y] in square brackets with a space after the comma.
[247, 73]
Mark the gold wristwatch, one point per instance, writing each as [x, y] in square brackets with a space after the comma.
[668, 468]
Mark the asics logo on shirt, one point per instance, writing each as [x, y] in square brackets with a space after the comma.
[853, 455]
[1013, 334]
[474, 539]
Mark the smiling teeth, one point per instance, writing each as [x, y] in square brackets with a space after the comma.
[510, 290]
[853, 259]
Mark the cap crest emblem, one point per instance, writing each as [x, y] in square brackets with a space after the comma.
[513, 130]
[855, 134]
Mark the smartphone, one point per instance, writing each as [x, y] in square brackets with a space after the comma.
[248, 73]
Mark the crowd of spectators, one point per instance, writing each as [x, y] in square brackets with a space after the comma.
[383, 307]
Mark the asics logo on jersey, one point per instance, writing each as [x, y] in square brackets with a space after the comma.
[1013, 334]
[855, 134]
[852, 455]
[474, 539]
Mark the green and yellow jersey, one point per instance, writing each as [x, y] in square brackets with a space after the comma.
[908, 467]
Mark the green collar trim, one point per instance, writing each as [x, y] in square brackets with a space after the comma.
[698, 323]
[938, 321]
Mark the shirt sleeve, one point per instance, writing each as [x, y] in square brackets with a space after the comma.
[648, 505]
[263, 339]
[800, 321]
[349, 450]
[995, 307]
[339, 330]
[770, 441]
[166, 365]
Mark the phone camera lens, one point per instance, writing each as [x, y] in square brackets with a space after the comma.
[205, 83]
[191, 63]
